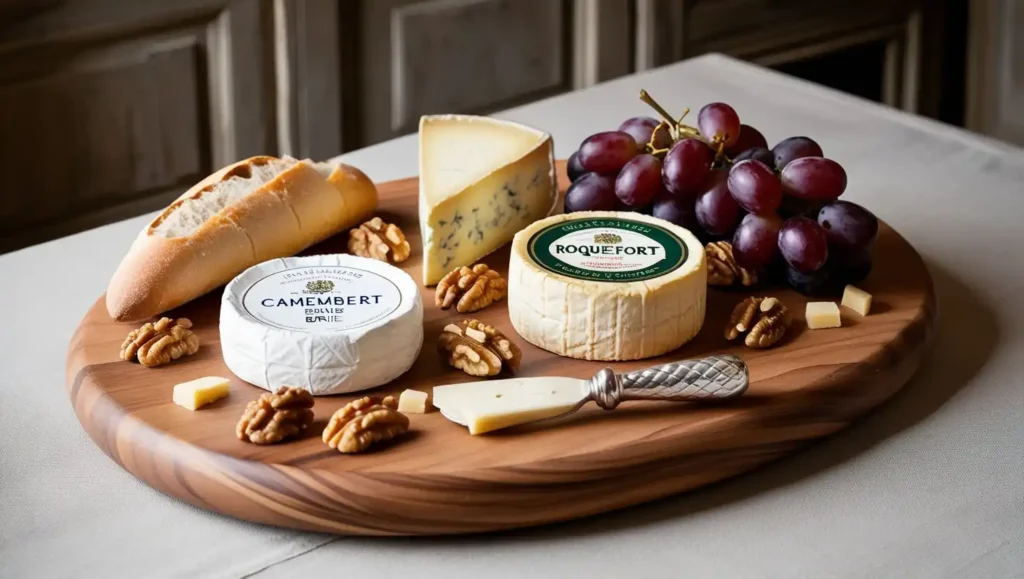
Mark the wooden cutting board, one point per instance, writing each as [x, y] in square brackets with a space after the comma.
[439, 479]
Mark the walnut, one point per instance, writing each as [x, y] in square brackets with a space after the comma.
[742, 317]
[160, 342]
[379, 240]
[478, 349]
[363, 422]
[497, 342]
[470, 289]
[723, 269]
[763, 320]
[276, 416]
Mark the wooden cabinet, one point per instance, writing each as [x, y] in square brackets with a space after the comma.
[995, 94]
[776, 33]
[395, 60]
[111, 108]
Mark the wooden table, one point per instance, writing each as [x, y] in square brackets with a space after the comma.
[927, 486]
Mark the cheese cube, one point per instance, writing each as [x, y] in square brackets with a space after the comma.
[200, 392]
[412, 401]
[822, 315]
[857, 300]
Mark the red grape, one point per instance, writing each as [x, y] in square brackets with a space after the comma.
[795, 148]
[716, 210]
[687, 166]
[796, 207]
[675, 210]
[814, 178]
[849, 265]
[757, 154]
[755, 187]
[639, 182]
[719, 123]
[848, 225]
[756, 241]
[803, 243]
[591, 192]
[607, 152]
[750, 138]
[641, 129]
[820, 283]
[573, 167]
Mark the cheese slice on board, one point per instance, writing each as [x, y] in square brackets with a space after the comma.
[481, 181]
[603, 285]
[487, 406]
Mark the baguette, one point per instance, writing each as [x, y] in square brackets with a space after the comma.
[246, 213]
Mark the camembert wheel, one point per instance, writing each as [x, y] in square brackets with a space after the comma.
[604, 285]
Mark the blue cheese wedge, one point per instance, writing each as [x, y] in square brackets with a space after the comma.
[481, 181]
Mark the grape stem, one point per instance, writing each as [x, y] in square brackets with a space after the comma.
[654, 135]
[654, 105]
[676, 129]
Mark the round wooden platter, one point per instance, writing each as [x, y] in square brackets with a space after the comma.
[440, 480]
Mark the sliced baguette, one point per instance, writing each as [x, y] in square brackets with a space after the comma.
[246, 213]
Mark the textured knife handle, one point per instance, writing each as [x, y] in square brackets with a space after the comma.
[711, 378]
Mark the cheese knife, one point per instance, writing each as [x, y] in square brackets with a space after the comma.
[493, 405]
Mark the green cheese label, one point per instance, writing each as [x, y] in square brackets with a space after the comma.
[609, 249]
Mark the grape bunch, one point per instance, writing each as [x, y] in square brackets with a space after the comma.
[779, 207]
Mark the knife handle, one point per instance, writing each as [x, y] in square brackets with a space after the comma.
[711, 378]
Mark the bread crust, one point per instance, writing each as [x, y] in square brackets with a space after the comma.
[297, 208]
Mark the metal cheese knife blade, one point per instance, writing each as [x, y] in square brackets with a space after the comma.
[493, 405]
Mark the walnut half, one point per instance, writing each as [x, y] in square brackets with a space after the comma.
[160, 342]
[478, 349]
[764, 321]
[276, 416]
[470, 289]
[364, 422]
[723, 269]
[379, 240]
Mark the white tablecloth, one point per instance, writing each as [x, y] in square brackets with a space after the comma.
[930, 485]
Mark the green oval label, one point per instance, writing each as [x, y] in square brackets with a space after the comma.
[607, 249]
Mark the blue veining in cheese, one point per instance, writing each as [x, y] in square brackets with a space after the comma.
[481, 181]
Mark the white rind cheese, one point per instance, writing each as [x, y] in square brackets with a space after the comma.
[330, 324]
[606, 285]
[481, 181]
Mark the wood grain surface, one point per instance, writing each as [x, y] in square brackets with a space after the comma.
[440, 480]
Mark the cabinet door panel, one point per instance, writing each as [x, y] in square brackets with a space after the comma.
[995, 94]
[96, 136]
[109, 110]
[441, 56]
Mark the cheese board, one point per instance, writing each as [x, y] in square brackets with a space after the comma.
[437, 479]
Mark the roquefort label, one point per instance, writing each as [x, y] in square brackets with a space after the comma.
[322, 298]
[607, 249]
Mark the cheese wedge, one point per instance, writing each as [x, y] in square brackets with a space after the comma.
[200, 392]
[481, 181]
[487, 406]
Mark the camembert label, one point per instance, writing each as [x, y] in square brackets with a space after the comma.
[322, 298]
[610, 249]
